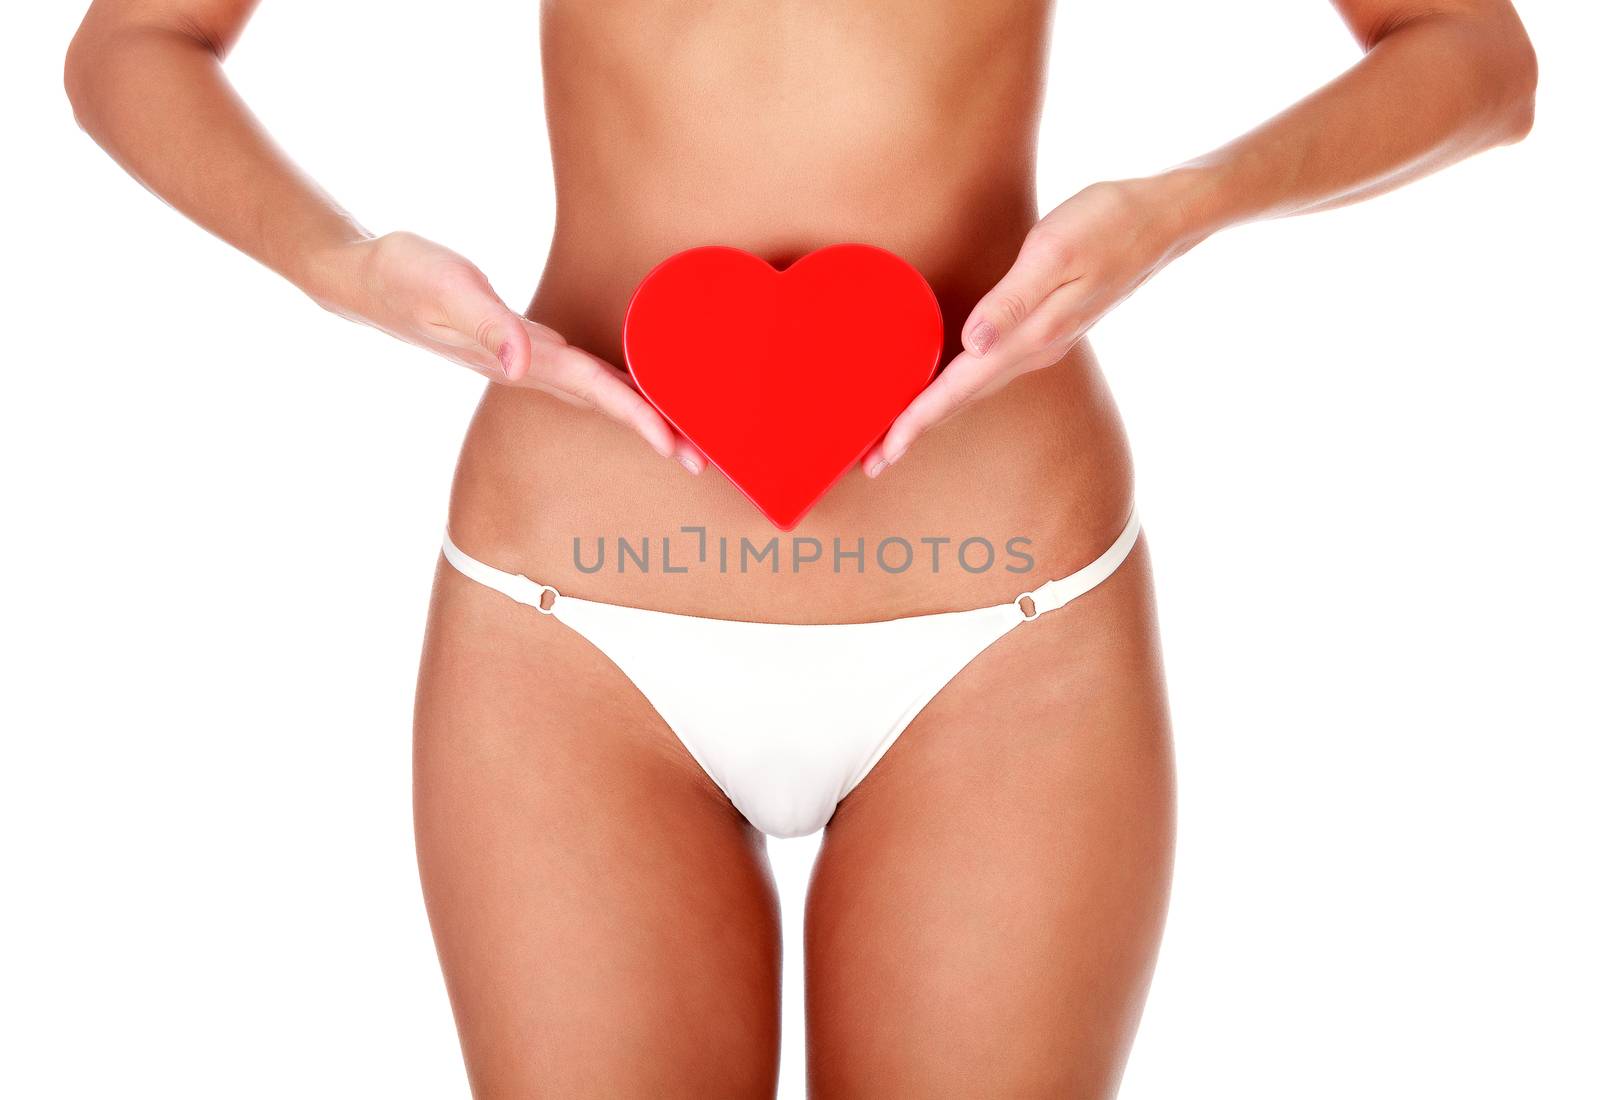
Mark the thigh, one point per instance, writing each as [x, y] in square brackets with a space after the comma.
[605, 919]
[986, 906]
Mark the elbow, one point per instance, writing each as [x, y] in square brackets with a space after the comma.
[86, 63]
[1494, 66]
[108, 51]
[75, 76]
[1518, 83]
[1507, 75]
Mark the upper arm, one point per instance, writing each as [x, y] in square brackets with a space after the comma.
[1373, 20]
[216, 24]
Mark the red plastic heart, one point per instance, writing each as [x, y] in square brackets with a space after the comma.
[783, 379]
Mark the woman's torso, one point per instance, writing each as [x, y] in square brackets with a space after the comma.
[780, 126]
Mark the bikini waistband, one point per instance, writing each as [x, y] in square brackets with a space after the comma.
[1047, 597]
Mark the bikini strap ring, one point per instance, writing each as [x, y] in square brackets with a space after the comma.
[538, 600]
[1031, 598]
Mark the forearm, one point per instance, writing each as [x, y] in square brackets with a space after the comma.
[1430, 91]
[156, 99]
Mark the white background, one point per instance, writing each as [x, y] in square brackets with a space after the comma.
[1367, 465]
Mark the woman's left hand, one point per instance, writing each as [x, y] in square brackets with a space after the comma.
[1078, 262]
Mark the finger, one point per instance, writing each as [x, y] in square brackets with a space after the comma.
[639, 414]
[1039, 269]
[489, 326]
[1047, 334]
[577, 376]
[689, 456]
[1044, 336]
[508, 342]
[960, 381]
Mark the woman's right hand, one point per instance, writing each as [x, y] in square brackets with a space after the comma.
[427, 295]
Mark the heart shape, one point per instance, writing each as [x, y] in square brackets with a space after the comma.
[783, 379]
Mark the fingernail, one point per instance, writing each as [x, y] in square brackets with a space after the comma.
[504, 355]
[689, 464]
[982, 337]
[876, 468]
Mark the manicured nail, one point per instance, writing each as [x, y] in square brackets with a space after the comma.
[983, 337]
[689, 464]
[504, 354]
[876, 468]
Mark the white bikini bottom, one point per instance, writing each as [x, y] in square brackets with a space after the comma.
[787, 718]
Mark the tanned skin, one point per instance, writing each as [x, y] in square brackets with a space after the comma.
[985, 913]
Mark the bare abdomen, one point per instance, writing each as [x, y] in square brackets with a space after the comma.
[780, 128]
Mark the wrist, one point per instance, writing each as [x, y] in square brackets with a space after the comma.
[1192, 203]
[336, 273]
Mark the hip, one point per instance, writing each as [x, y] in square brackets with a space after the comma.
[1023, 486]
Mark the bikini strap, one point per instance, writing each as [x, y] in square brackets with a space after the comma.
[1047, 597]
[1058, 593]
[515, 585]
